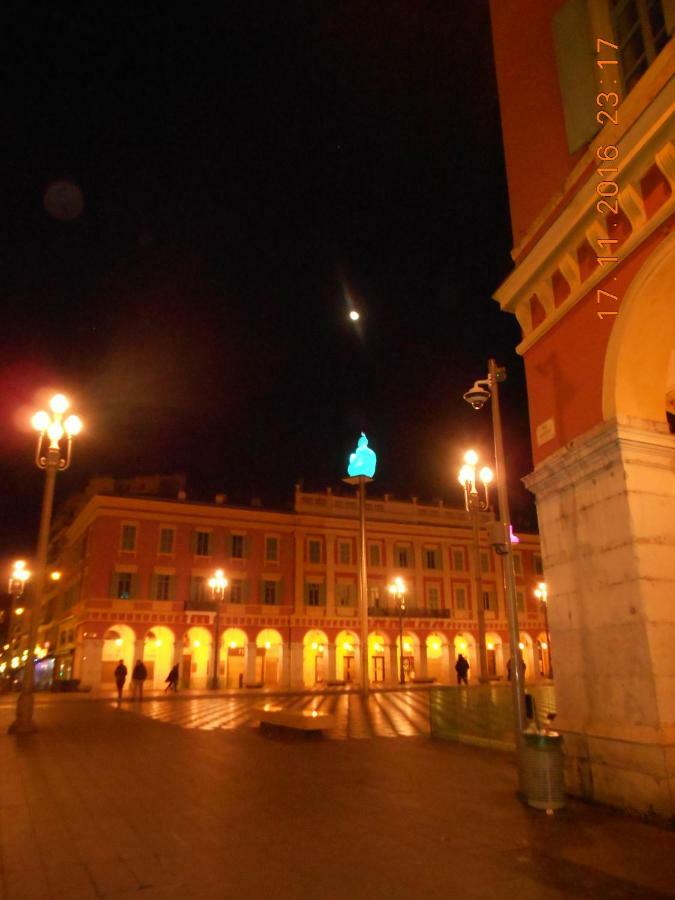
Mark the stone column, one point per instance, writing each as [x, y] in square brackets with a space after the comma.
[605, 506]
[251, 653]
[297, 666]
[330, 650]
[447, 670]
[177, 655]
[92, 662]
[139, 647]
[392, 674]
[360, 663]
[286, 666]
[423, 669]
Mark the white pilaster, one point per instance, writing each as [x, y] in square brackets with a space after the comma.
[251, 651]
[608, 542]
[330, 650]
[297, 665]
[92, 661]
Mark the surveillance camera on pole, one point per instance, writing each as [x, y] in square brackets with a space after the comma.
[478, 396]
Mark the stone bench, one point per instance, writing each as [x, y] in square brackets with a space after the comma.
[295, 719]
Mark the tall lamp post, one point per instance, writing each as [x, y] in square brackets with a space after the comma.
[474, 505]
[477, 397]
[360, 471]
[217, 584]
[53, 457]
[397, 588]
[541, 593]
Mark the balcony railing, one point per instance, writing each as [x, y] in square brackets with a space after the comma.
[412, 612]
[200, 605]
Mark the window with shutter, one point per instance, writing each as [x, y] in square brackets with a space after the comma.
[166, 539]
[314, 551]
[237, 546]
[374, 555]
[123, 585]
[270, 593]
[203, 543]
[162, 587]
[458, 560]
[128, 538]
[271, 549]
[312, 594]
[575, 58]
[345, 552]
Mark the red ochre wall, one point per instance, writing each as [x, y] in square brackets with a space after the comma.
[571, 394]
[535, 145]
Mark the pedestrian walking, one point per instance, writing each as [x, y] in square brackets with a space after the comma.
[462, 668]
[172, 679]
[138, 676]
[523, 666]
[120, 678]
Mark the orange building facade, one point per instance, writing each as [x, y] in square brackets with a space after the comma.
[134, 585]
[587, 97]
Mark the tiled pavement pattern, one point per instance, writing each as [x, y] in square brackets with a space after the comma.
[103, 803]
[391, 714]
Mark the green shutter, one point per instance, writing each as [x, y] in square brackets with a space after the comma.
[133, 592]
[574, 51]
[322, 595]
[113, 584]
[172, 587]
[669, 14]
[153, 586]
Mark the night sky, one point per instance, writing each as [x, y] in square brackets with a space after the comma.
[247, 174]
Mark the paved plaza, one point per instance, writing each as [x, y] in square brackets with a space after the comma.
[183, 797]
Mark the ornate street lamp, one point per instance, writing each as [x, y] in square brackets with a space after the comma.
[477, 397]
[541, 593]
[52, 456]
[18, 578]
[474, 505]
[397, 588]
[217, 583]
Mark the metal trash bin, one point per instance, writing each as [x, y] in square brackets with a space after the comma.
[543, 770]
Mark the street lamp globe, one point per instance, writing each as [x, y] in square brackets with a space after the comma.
[486, 475]
[59, 404]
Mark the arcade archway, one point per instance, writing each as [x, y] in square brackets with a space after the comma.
[639, 372]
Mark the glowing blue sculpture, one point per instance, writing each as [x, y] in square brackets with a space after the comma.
[363, 461]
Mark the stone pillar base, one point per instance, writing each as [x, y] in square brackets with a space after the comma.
[637, 777]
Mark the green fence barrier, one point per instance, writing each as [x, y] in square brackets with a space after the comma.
[483, 714]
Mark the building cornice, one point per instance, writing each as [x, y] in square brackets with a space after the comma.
[599, 449]
[647, 141]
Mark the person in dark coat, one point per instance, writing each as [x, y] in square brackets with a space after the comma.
[172, 679]
[138, 677]
[120, 678]
[522, 668]
[462, 668]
